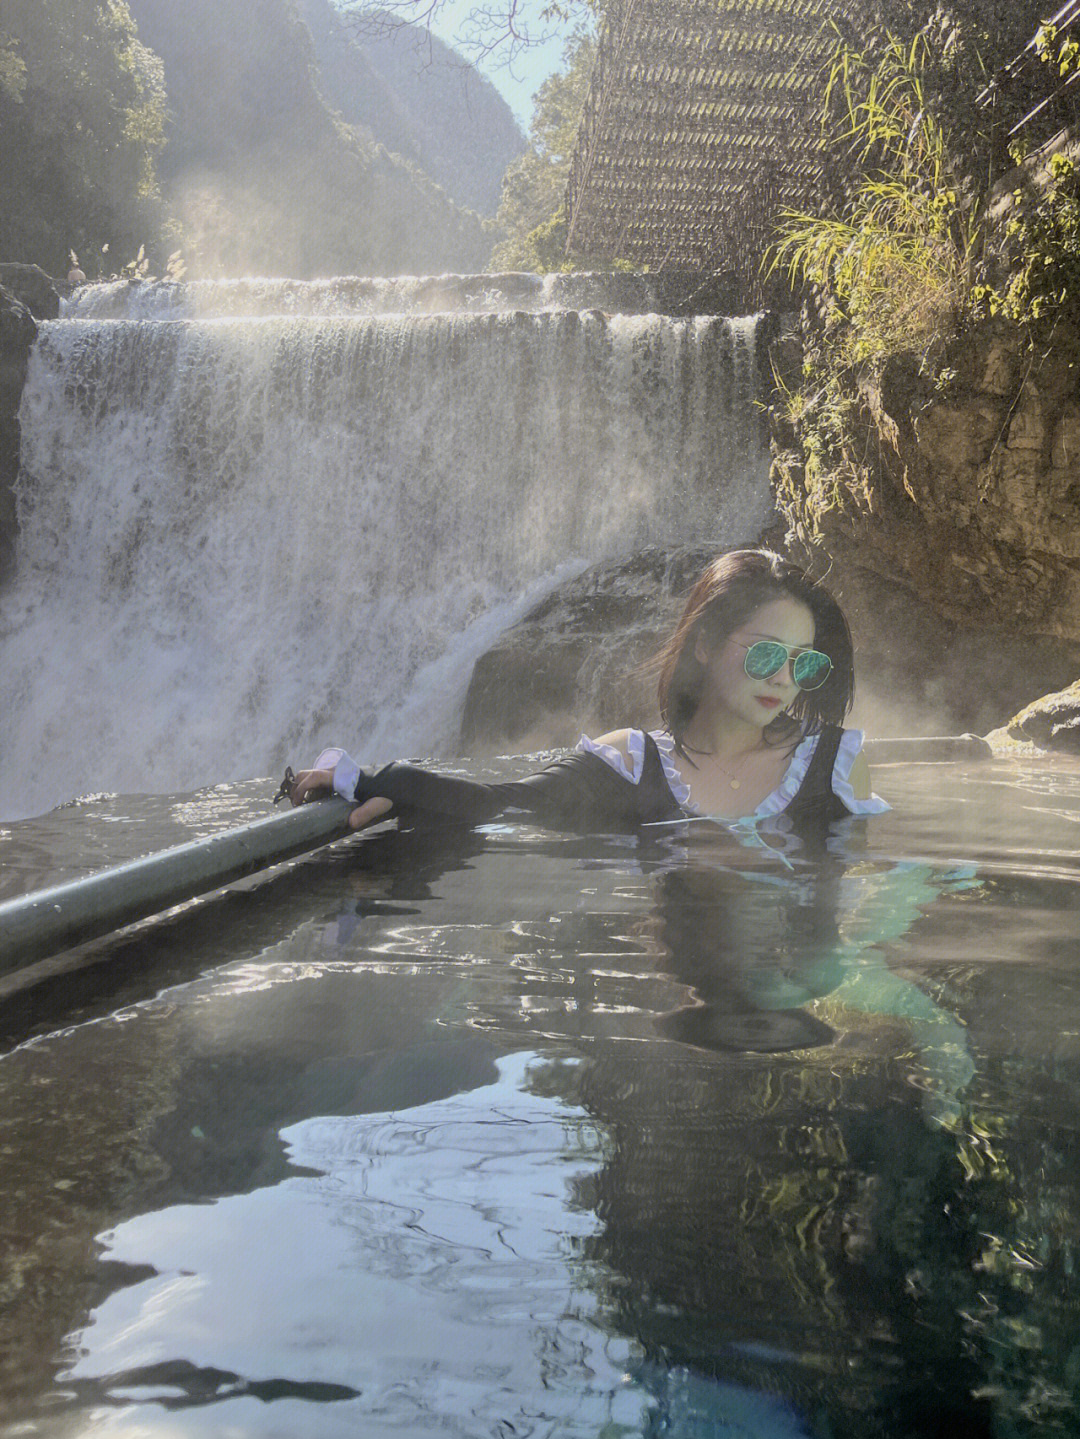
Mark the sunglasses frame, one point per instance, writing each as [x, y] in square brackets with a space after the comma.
[789, 650]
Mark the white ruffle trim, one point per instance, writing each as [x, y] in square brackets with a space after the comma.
[666, 745]
[794, 775]
[635, 743]
[851, 743]
[615, 758]
[343, 767]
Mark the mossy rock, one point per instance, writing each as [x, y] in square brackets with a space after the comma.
[1052, 722]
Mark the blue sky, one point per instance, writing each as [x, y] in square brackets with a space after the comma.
[518, 80]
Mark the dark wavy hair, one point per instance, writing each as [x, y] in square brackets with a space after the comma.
[727, 594]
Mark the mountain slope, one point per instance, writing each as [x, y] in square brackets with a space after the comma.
[264, 177]
[417, 97]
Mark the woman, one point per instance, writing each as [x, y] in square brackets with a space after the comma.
[754, 686]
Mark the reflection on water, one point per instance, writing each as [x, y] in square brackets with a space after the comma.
[515, 1133]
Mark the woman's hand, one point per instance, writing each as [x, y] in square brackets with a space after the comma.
[311, 784]
[319, 783]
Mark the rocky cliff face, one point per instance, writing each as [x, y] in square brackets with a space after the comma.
[417, 97]
[26, 294]
[574, 663]
[950, 525]
[265, 178]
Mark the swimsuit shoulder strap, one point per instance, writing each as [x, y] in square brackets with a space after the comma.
[815, 798]
[655, 800]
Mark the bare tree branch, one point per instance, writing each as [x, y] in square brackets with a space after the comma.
[503, 30]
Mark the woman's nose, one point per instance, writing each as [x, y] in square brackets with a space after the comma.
[783, 675]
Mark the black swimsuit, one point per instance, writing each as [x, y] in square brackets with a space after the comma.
[582, 792]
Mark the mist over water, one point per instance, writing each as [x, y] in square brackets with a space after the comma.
[243, 537]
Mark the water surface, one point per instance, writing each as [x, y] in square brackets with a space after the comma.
[519, 1133]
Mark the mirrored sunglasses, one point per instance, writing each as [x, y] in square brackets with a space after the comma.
[809, 669]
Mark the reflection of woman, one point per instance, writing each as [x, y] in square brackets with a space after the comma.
[786, 1218]
[755, 948]
[752, 950]
[754, 686]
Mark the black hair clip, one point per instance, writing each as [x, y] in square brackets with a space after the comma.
[286, 784]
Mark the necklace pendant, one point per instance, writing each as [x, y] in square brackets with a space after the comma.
[734, 784]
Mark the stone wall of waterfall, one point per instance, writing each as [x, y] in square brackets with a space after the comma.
[244, 534]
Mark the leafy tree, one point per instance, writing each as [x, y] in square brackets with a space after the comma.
[532, 211]
[82, 112]
[485, 29]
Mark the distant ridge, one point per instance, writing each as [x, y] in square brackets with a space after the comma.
[265, 178]
[417, 97]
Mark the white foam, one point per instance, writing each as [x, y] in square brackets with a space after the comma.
[364, 295]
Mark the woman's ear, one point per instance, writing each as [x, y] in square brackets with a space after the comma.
[701, 648]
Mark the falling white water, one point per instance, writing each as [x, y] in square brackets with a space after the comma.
[242, 538]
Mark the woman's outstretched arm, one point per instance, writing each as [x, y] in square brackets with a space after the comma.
[579, 791]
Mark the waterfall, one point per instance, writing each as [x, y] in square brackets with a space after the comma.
[620, 292]
[247, 534]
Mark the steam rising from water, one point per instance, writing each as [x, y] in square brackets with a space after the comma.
[243, 538]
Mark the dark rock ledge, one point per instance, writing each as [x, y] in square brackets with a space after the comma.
[17, 334]
[27, 295]
[34, 288]
[573, 663]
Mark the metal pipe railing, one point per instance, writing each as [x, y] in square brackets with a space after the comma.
[48, 920]
[1064, 19]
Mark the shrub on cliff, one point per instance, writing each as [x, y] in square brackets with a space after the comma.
[903, 255]
[1041, 252]
[1036, 274]
[891, 265]
[894, 260]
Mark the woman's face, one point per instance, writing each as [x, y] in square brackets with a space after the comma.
[729, 687]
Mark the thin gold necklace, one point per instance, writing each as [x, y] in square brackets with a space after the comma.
[733, 780]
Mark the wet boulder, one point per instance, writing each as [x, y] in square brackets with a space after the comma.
[575, 661]
[1052, 722]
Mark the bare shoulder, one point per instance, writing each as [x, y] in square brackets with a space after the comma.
[618, 739]
[859, 778]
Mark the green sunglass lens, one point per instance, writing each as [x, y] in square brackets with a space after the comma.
[811, 669]
[764, 659]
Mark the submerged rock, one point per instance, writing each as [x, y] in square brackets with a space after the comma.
[1051, 722]
[574, 662]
